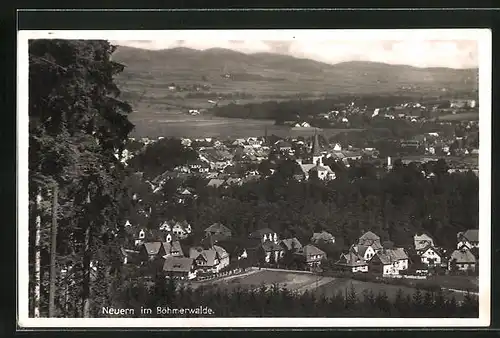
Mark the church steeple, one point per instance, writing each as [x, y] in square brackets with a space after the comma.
[316, 150]
[317, 157]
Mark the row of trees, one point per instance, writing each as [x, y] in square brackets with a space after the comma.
[278, 301]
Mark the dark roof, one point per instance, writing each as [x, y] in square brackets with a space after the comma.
[351, 259]
[310, 250]
[209, 255]
[369, 236]
[172, 247]
[472, 235]
[389, 256]
[218, 228]
[260, 232]
[177, 264]
[291, 243]
[271, 246]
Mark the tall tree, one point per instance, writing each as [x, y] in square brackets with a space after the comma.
[77, 124]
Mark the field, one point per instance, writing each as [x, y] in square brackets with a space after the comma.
[174, 123]
[327, 286]
[291, 280]
[471, 116]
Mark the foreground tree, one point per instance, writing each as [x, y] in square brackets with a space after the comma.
[77, 125]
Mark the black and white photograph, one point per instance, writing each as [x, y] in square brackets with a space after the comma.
[254, 178]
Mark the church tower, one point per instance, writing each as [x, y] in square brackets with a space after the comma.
[317, 157]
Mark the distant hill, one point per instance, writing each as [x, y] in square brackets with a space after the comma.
[264, 74]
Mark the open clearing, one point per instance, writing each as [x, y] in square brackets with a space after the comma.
[472, 116]
[327, 286]
[174, 123]
[291, 280]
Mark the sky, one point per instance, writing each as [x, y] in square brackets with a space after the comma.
[413, 52]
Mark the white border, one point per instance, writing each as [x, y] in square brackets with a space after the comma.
[483, 36]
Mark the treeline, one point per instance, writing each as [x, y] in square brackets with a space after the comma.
[276, 301]
[394, 205]
[163, 155]
[302, 109]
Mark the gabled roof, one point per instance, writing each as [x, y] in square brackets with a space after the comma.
[261, 232]
[310, 250]
[178, 264]
[318, 167]
[152, 248]
[283, 144]
[291, 243]
[215, 182]
[351, 259]
[421, 241]
[463, 256]
[472, 235]
[172, 247]
[218, 228]
[430, 246]
[390, 256]
[209, 255]
[369, 236]
[269, 246]
[322, 236]
[361, 249]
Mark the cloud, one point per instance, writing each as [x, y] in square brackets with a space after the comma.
[418, 53]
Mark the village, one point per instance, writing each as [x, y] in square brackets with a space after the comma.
[218, 252]
[173, 247]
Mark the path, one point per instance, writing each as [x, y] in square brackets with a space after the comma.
[316, 284]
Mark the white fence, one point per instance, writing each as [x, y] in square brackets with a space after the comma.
[220, 274]
[405, 276]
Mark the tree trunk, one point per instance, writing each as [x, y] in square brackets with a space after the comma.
[86, 277]
[37, 282]
[53, 246]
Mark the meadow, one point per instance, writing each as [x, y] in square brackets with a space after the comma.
[175, 123]
[469, 116]
[320, 285]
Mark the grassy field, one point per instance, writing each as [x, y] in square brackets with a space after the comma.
[290, 280]
[330, 286]
[470, 116]
[174, 123]
[343, 285]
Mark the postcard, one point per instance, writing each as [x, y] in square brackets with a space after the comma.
[254, 178]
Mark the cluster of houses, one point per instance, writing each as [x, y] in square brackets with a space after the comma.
[214, 252]
[369, 254]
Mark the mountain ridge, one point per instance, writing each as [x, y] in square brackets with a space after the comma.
[217, 50]
[267, 75]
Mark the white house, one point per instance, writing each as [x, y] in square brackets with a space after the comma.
[463, 259]
[353, 262]
[389, 261]
[422, 241]
[431, 256]
[364, 251]
[264, 235]
[209, 260]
